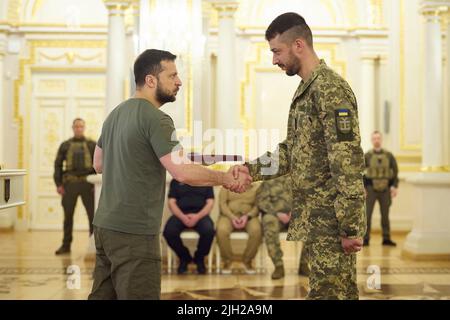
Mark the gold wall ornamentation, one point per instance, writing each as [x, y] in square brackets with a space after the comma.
[37, 5]
[51, 129]
[71, 56]
[377, 6]
[91, 85]
[435, 169]
[26, 65]
[348, 8]
[411, 158]
[14, 12]
[51, 85]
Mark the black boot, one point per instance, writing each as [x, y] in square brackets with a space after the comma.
[183, 267]
[64, 249]
[201, 268]
[389, 243]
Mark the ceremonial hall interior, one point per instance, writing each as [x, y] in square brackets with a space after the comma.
[62, 60]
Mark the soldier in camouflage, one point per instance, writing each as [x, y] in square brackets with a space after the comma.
[322, 153]
[73, 164]
[274, 200]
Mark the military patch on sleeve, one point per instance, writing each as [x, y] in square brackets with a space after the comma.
[344, 125]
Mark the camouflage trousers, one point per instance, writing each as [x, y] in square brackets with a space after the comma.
[333, 273]
[272, 227]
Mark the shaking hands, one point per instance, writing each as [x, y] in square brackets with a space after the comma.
[237, 179]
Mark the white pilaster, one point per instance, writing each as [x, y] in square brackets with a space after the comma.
[366, 108]
[431, 231]
[117, 59]
[447, 89]
[226, 115]
[2, 102]
[433, 133]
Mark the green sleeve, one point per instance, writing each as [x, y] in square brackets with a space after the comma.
[394, 181]
[59, 161]
[339, 118]
[100, 142]
[162, 135]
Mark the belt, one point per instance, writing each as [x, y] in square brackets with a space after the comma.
[74, 179]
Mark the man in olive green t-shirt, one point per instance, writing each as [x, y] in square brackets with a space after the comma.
[136, 147]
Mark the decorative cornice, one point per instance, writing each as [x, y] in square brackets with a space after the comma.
[226, 9]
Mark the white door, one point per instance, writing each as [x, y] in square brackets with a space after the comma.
[56, 99]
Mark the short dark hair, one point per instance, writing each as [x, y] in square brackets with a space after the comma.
[149, 62]
[377, 132]
[77, 119]
[292, 25]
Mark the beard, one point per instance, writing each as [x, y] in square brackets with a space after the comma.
[163, 96]
[292, 66]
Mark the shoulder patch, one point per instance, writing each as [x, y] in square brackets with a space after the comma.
[344, 124]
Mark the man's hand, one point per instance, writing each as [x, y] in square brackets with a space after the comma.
[284, 217]
[61, 190]
[351, 245]
[394, 192]
[237, 180]
[185, 219]
[238, 169]
[243, 221]
[193, 220]
[236, 223]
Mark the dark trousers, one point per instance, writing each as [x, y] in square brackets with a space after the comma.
[69, 200]
[205, 229]
[384, 199]
[127, 266]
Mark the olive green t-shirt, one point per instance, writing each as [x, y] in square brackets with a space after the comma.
[134, 136]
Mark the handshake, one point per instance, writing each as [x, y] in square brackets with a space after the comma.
[237, 179]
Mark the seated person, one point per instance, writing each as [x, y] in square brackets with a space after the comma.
[238, 212]
[190, 207]
[274, 201]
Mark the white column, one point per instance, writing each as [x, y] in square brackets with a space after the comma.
[433, 131]
[366, 104]
[226, 114]
[430, 237]
[447, 89]
[2, 103]
[117, 58]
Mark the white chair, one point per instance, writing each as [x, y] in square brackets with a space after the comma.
[187, 235]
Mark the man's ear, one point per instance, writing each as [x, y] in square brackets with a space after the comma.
[298, 46]
[151, 81]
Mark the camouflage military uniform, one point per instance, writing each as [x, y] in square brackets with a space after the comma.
[73, 164]
[323, 155]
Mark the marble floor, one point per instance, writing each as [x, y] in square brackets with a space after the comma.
[30, 270]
